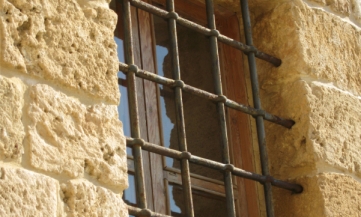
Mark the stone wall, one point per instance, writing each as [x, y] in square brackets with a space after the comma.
[62, 149]
[319, 86]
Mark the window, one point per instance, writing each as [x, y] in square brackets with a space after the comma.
[174, 79]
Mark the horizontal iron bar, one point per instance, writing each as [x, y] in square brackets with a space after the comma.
[144, 212]
[204, 94]
[295, 188]
[206, 31]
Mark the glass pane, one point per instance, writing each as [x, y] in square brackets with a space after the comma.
[201, 116]
[123, 108]
[167, 106]
[129, 194]
[203, 133]
[174, 199]
[205, 204]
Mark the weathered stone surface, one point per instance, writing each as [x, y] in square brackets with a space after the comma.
[356, 11]
[68, 138]
[342, 195]
[24, 193]
[326, 194]
[334, 127]
[342, 7]
[350, 9]
[291, 152]
[259, 7]
[326, 130]
[67, 42]
[318, 86]
[10, 19]
[85, 199]
[347, 8]
[309, 203]
[312, 44]
[11, 127]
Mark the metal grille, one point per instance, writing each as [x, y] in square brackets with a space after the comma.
[179, 86]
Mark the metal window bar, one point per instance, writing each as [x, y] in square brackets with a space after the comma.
[134, 116]
[204, 94]
[199, 28]
[231, 210]
[185, 171]
[131, 142]
[138, 144]
[261, 134]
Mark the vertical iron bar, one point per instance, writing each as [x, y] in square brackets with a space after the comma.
[186, 182]
[257, 104]
[133, 104]
[220, 107]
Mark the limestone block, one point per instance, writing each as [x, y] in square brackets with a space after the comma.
[348, 8]
[11, 127]
[342, 7]
[291, 152]
[309, 203]
[334, 127]
[326, 130]
[356, 11]
[10, 20]
[67, 42]
[24, 193]
[66, 137]
[342, 194]
[258, 7]
[326, 194]
[312, 44]
[85, 199]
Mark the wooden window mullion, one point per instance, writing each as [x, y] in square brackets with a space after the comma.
[151, 110]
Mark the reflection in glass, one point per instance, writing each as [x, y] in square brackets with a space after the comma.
[200, 115]
[123, 107]
[173, 206]
[166, 95]
[129, 194]
[205, 204]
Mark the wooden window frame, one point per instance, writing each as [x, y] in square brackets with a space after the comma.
[238, 123]
[148, 110]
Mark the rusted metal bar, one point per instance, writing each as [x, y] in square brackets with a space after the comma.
[147, 75]
[179, 155]
[144, 212]
[210, 96]
[133, 104]
[257, 104]
[228, 185]
[186, 181]
[206, 31]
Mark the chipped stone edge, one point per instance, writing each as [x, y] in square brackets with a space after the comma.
[348, 19]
